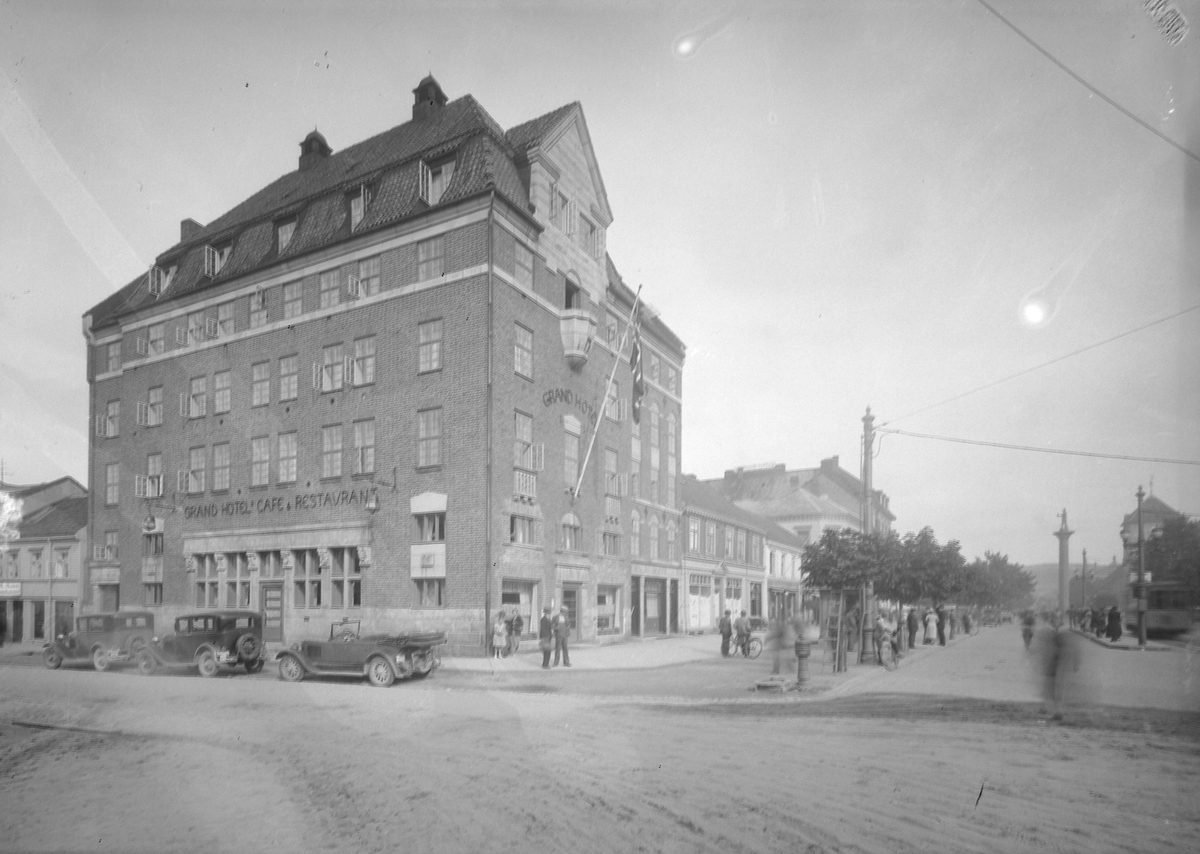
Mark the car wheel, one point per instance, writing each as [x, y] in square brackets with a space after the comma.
[207, 662]
[52, 659]
[147, 663]
[100, 659]
[290, 669]
[248, 647]
[379, 672]
[255, 665]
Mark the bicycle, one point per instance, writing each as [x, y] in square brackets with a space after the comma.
[750, 648]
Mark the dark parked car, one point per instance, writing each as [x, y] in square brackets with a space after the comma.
[103, 639]
[382, 658]
[207, 641]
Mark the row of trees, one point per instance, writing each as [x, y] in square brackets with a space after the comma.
[916, 568]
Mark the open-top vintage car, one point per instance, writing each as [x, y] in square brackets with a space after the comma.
[103, 639]
[207, 641]
[381, 658]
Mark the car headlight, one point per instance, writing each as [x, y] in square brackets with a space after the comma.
[400, 658]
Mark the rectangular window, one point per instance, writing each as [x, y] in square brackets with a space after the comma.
[429, 437]
[293, 300]
[524, 265]
[364, 361]
[672, 380]
[429, 348]
[694, 536]
[36, 570]
[522, 440]
[333, 368]
[157, 337]
[429, 259]
[197, 399]
[306, 576]
[154, 407]
[152, 594]
[431, 527]
[260, 461]
[571, 458]
[225, 319]
[358, 206]
[710, 538]
[221, 392]
[368, 276]
[206, 583]
[612, 484]
[331, 451]
[154, 476]
[741, 546]
[258, 308]
[220, 467]
[572, 533]
[112, 483]
[610, 544]
[289, 373]
[430, 592]
[523, 530]
[287, 457]
[61, 563]
[112, 419]
[654, 363]
[237, 581]
[114, 356]
[197, 469]
[260, 384]
[330, 282]
[195, 327]
[347, 578]
[111, 538]
[523, 351]
[283, 234]
[728, 543]
[364, 447]
[439, 181]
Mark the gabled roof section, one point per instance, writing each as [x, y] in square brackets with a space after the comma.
[1154, 509]
[540, 134]
[706, 501]
[64, 518]
[316, 195]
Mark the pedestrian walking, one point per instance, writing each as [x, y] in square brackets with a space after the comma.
[878, 633]
[914, 623]
[1114, 624]
[545, 639]
[930, 627]
[726, 629]
[562, 629]
[742, 627]
[515, 626]
[940, 610]
[499, 635]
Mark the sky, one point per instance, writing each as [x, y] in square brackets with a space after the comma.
[834, 204]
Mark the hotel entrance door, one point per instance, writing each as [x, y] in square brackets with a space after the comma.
[271, 596]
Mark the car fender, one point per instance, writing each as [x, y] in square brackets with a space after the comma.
[203, 648]
[303, 659]
[61, 648]
[390, 659]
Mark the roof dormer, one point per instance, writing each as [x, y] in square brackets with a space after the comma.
[428, 98]
[313, 150]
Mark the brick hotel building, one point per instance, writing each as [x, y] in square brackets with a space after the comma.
[367, 392]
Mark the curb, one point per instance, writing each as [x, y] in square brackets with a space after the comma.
[1149, 647]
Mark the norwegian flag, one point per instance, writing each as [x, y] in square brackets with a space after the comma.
[635, 367]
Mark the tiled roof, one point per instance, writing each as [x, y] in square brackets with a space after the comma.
[525, 136]
[706, 500]
[1153, 509]
[796, 504]
[62, 519]
[386, 162]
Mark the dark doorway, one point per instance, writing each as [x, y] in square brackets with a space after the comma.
[271, 597]
[18, 621]
[110, 597]
[656, 606]
[674, 606]
[635, 612]
[570, 605]
[39, 620]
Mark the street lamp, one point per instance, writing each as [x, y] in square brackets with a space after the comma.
[1140, 592]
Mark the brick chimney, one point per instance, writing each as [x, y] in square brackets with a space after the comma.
[428, 98]
[188, 228]
[313, 151]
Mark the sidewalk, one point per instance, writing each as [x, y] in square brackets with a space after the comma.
[1126, 641]
[633, 654]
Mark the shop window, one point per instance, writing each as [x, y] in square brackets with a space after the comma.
[431, 592]
[237, 581]
[347, 578]
[306, 575]
[206, 581]
[608, 610]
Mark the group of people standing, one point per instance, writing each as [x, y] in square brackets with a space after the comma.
[1101, 622]
[553, 632]
[728, 627]
[939, 622]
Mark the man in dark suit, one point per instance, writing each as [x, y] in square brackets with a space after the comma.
[562, 630]
[545, 639]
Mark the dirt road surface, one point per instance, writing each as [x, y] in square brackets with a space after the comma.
[478, 762]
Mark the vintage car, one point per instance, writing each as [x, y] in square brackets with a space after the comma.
[208, 640]
[103, 639]
[382, 658]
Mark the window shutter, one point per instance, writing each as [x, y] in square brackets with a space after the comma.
[425, 181]
[155, 485]
[622, 409]
[156, 281]
[143, 412]
[181, 336]
[348, 370]
[316, 377]
[258, 299]
[539, 456]
[353, 287]
[184, 408]
[571, 224]
[97, 552]
[181, 478]
[211, 329]
[101, 426]
[142, 345]
[141, 485]
[364, 198]
[211, 261]
[202, 405]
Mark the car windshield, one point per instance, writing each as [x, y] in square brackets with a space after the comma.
[344, 629]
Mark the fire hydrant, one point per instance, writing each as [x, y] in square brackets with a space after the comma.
[803, 651]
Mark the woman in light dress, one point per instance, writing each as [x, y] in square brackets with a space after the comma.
[930, 627]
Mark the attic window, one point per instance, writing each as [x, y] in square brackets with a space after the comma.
[358, 205]
[215, 258]
[434, 179]
[283, 233]
[160, 279]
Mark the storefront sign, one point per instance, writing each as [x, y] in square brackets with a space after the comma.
[10, 589]
[565, 395]
[281, 504]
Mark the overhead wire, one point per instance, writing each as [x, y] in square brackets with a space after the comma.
[1036, 449]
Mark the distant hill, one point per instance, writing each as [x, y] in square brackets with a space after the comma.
[1109, 577]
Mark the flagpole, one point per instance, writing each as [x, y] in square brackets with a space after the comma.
[607, 390]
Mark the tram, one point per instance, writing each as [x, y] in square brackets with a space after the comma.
[1170, 609]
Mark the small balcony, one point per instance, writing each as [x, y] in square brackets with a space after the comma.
[578, 329]
[524, 486]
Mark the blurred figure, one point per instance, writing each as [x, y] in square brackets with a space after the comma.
[1114, 624]
[726, 629]
[1058, 659]
[914, 623]
[777, 641]
[930, 627]
[1027, 621]
[1085, 620]
[940, 610]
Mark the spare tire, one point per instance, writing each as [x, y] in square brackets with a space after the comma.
[248, 647]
